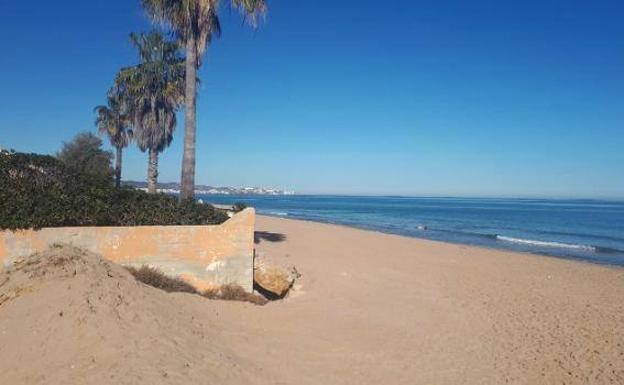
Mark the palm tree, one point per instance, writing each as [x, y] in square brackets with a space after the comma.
[195, 23]
[152, 92]
[112, 122]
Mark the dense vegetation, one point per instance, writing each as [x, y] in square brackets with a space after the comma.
[42, 191]
[79, 187]
[84, 154]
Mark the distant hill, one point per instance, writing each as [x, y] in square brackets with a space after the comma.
[174, 188]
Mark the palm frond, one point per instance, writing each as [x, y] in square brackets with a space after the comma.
[152, 91]
[112, 122]
[251, 10]
[198, 19]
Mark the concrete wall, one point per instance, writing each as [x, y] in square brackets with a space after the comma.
[204, 256]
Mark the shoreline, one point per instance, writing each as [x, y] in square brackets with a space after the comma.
[434, 241]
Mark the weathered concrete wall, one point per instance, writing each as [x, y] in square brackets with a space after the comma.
[204, 256]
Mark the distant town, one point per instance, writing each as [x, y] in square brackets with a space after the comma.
[174, 188]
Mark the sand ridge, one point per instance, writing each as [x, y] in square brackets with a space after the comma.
[68, 317]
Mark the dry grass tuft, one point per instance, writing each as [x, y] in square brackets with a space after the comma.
[234, 293]
[154, 277]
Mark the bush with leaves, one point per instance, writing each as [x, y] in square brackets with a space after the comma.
[84, 154]
[40, 191]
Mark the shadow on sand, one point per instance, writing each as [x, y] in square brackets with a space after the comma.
[260, 236]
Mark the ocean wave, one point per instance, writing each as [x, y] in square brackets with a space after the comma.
[278, 213]
[529, 242]
[559, 245]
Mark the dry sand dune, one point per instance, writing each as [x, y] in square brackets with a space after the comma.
[370, 308]
[67, 317]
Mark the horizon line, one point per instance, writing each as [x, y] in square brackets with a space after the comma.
[415, 195]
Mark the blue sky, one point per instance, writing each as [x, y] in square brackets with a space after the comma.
[456, 98]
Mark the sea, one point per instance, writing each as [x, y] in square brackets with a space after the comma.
[588, 230]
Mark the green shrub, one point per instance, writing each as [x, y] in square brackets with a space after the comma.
[84, 154]
[40, 191]
[129, 207]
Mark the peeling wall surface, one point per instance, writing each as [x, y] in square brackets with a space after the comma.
[204, 256]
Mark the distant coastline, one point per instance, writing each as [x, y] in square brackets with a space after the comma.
[174, 188]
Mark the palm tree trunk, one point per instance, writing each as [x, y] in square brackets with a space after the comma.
[152, 172]
[188, 159]
[118, 168]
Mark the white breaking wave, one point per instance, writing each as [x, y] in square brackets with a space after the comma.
[278, 213]
[545, 243]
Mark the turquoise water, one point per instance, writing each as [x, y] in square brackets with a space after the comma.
[589, 230]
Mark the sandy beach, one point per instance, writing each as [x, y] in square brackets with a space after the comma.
[441, 189]
[370, 308]
[375, 308]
